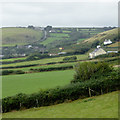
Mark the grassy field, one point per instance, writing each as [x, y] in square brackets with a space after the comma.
[29, 83]
[102, 36]
[52, 39]
[44, 66]
[12, 59]
[117, 44]
[104, 106]
[59, 35]
[18, 36]
[44, 61]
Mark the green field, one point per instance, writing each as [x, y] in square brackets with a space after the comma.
[103, 106]
[59, 35]
[19, 36]
[12, 59]
[44, 61]
[52, 39]
[117, 44]
[29, 83]
[110, 34]
[44, 66]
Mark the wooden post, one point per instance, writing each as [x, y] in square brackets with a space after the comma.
[20, 105]
[101, 91]
[89, 92]
[37, 102]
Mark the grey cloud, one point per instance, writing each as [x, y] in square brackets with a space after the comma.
[60, 14]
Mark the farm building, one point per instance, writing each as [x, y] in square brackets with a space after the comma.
[112, 51]
[62, 53]
[98, 51]
[52, 31]
[53, 54]
[107, 42]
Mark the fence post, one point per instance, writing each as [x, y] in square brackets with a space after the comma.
[89, 92]
[101, 91]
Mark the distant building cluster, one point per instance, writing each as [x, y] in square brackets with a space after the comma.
[100, 51]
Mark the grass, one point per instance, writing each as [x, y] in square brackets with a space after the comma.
[110, 34]
[81, 39]
[13, 59]
[117, 44]
[18, 36]
[52, 39]
[103, 106]
[44, 61]
[29, 83]
[59, 35]
[43, 66]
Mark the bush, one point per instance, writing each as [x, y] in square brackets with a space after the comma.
[19, 72]
[68, 59]
[87, 70]
[52, 68]
[7, 72]
[61, 94]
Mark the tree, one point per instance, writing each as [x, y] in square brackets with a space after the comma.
[31, 27]
[88, 70]
[48, 28]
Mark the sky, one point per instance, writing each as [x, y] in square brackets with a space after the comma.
[59, 13]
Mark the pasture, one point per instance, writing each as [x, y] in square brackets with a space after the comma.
[52, 39]
[110, 34]
[19, 36]
[12, 59]
[30, 83]
[103, 106]
[44, 61]
[44, 66]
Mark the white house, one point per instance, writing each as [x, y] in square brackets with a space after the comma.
[29, 46]
[97, 52]
[107, 42]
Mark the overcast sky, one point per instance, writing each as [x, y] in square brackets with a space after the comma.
[70, 14]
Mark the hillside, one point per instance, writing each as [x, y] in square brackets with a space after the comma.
[19, 36]
[110, 34]
[103, 106]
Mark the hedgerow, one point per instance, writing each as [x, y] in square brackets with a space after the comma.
[92, 79]
[57, 95]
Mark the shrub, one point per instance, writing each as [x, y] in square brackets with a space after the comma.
[7, 72]
[87, 70]
[68, 59]
[61, 94]
[19, 72]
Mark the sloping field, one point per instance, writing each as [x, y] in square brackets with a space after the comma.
[117, 44]
[44, 61]
[110, 34]
[104, 106]
[44, 66]
[30, 83]
[19, 36]
[52, 39]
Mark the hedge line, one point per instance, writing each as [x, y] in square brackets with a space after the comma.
[61, 94]
[8, 72]
[22, 66]
[52, 68]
